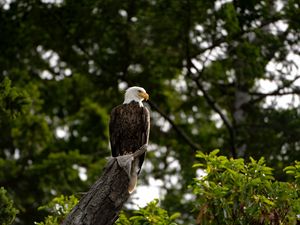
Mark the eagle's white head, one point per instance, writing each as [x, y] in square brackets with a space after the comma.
[137, 94]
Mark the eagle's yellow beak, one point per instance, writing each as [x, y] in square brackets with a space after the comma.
[144, 95]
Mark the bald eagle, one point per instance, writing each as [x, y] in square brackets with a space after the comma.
[129, 129]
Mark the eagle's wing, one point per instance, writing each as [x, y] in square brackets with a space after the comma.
[129, 129]
[145, 129]
[113, 133]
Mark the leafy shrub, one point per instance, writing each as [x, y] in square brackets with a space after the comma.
[151, 214]
[232, 191]
[7, 210]
[235, 192]
[58, 208]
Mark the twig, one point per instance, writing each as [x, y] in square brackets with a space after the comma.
[213, 104]
[140, 151]
[276, 92]
[179, 131]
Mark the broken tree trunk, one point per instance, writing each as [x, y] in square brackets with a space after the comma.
[102, 203]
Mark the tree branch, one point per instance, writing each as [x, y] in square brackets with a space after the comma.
[217, 42]
[190, 64]
[179, 131]
[277, 92]
[102, 203]
[213, 104]
[207, 97]
[139, 152]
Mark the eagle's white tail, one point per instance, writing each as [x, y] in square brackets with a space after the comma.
[133, 175]
[132, 183]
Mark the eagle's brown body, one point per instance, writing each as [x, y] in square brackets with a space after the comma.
[129, 129]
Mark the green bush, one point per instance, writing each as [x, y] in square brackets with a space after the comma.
[235, 192]
[7, 210]
[58, 208]
[232, 192]
[152, 214]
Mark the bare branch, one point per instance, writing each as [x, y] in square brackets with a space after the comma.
[190, 65]
[213, 104]
[140, 151]
[217, 42]
[277, 92]
[103, 202]
[179, 131]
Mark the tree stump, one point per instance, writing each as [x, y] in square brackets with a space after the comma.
[102, 203]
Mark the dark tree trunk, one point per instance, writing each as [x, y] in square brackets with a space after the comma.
[103, 202]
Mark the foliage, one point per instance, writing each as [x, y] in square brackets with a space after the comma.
[295, 171]
[8, 211]
[58, 208]
[12, 100]
[235, 192]
[150, 214]
[232, 191]
[206, 65]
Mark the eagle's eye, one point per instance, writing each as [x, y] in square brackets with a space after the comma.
[139, 91]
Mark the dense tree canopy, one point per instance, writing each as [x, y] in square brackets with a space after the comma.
[217, 73]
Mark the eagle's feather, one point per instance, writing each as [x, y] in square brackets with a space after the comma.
[129, 129]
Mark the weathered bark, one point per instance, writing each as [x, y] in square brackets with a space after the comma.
[103, 202]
